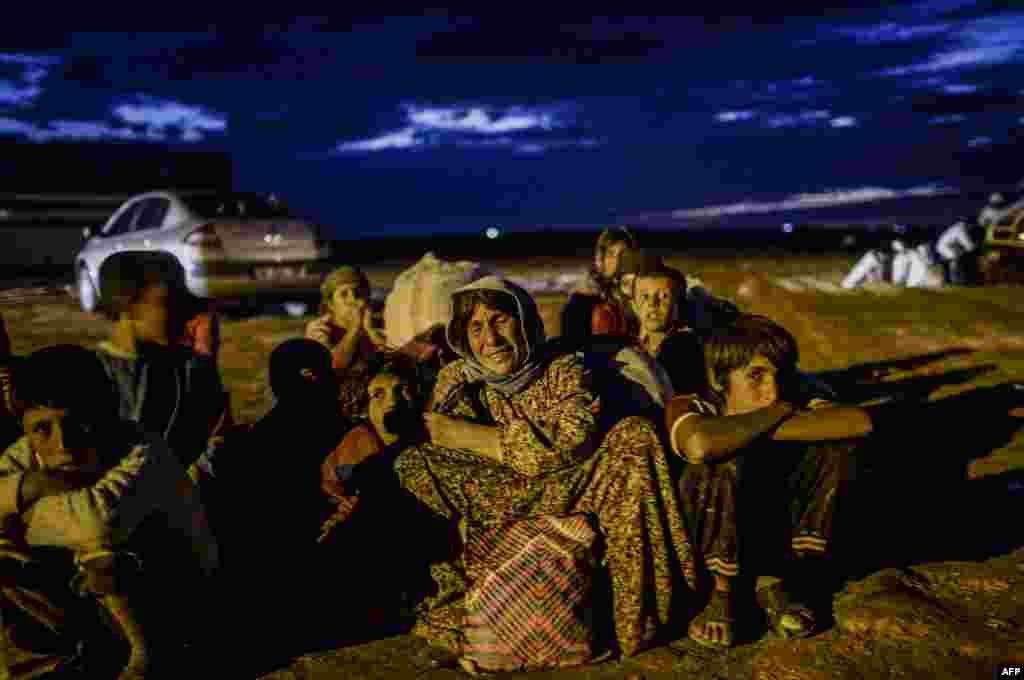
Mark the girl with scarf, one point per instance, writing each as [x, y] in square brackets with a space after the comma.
[597, 306]
[515, 432]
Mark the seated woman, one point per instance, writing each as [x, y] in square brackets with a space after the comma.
[597, 306]
[758, 444]
[305, 392]
[345, 327]
[267, 479]
[515, 432]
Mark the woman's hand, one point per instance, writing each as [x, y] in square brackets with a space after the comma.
[458, 433]
[319, 330]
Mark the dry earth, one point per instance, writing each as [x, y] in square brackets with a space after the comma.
[936, 582]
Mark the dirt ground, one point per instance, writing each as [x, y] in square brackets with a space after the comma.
[955, 458]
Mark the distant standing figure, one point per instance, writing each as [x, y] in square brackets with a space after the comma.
[993, 211]
[954, 246]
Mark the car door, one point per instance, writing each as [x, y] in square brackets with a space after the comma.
[150, 217]
[112, 238]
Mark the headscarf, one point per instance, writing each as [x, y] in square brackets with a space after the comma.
[609, 235]
[345, 275]
[533, 332]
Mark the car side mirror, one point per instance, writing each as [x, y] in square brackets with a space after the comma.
[87, 233]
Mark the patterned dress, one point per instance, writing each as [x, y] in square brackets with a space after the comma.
[549, 465]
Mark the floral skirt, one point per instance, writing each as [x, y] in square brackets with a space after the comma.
[626, 484]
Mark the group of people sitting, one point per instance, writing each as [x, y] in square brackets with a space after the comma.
[130, 480]
[951, 259]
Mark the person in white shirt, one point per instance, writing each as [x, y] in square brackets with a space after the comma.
[952, 246]
[993, 211]
[870, 268]
[910, 267]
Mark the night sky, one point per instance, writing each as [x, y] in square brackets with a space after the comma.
[392, 124]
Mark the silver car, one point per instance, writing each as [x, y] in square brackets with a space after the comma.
[231, 245]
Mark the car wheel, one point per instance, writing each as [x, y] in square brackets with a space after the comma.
[88, 298]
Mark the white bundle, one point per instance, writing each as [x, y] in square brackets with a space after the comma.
[421, 297]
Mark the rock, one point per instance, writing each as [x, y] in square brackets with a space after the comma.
[421, 296]
[967, 610]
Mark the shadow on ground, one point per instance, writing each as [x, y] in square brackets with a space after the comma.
[912, 499]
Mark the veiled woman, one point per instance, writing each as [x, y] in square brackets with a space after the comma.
[514, 430]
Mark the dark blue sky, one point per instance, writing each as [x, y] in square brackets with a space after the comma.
[370, 123]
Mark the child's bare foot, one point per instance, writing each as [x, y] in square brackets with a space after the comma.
[715, 625]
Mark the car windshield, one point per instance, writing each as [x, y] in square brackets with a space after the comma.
[256, 206]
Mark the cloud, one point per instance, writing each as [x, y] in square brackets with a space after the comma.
[147, 119]
[979, 141]
[810, 201]
[959, 88]
[480, 120]
[15, 95]
[890, 32]
[733, 116]
[988, 41]
[528, 130]
[945, 120]
[72, 130]
[808, 118]
[158, 116]
[25, 89]
[400, 139]
[804, 118]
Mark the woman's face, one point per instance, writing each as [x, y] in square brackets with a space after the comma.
[347, 296]
[496, 340]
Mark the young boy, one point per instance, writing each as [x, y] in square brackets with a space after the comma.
[756, 445]
[78, 496]
[164, 386]
[658, 295]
